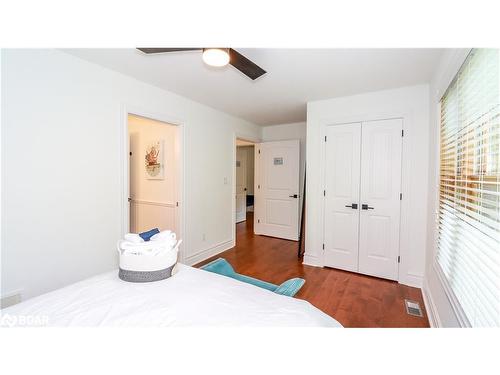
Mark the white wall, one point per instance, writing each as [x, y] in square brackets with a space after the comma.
[62, 120]
[284, 132]
[153, 201]
[410, 103]
[438, 304]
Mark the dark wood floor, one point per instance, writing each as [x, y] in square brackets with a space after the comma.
[352, 299]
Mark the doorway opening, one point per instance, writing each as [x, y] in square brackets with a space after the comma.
[244, 181]
[154, 174]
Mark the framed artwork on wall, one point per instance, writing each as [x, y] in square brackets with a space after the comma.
[153, 160]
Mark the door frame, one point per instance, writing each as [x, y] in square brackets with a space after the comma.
[125, 168]
[243, 152]
[407, 118]
[248, 138]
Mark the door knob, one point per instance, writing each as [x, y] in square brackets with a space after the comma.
[293, 196]
[354, 206]
[366, 207]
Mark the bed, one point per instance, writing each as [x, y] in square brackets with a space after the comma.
[192, 297]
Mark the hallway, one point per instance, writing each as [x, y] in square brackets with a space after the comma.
[354, 300]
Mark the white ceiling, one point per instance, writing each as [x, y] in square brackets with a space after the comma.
[294, 76]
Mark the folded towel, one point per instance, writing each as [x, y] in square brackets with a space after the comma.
[133, 237]
[148, 248]
[166, 235]
[127, 247]
[146, 236]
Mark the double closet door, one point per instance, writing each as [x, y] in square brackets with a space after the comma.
[362, 197]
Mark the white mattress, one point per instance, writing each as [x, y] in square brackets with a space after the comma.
[192, 297]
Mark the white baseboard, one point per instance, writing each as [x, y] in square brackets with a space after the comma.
[430, 307]
[209, 252]
[310, 260]
[11, 298]
[415, 281]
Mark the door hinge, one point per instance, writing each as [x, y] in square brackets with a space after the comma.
[399, 259]
[400, 196]
[176, 204]
[324, 193]
[130, 153]
[325, 138]
[323, 246]
[259, 151]
[402, 133]
[258, 220]
[258, 186]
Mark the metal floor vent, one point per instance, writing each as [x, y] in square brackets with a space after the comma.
[413, 308]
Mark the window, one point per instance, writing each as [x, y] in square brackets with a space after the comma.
[468, 232]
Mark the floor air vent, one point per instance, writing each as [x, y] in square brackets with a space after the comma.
[413, 308]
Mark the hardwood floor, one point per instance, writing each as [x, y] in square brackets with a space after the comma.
[352, 299]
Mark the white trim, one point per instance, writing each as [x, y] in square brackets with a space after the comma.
[310, 260]
[411, 279]
[435, 182]
[209, 252]
[256, 141]
[124, 167]
[152, 203]
[455, 305]
[11, 298]
[430, 307]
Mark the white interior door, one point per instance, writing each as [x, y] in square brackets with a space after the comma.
[241, 185]
[341, 201]
[277, 189]
[380, 198]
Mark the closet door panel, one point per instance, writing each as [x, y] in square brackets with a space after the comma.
[381, 148]
[342, 169]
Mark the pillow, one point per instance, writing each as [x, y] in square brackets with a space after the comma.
[146, 236]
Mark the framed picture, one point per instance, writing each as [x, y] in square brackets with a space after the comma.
[153, 161]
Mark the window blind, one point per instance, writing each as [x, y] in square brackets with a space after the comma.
[468, 248]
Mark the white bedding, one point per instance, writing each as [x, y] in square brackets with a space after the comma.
[192, 297]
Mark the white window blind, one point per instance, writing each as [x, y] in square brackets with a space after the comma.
[468, 230]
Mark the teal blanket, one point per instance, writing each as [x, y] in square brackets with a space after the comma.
[222, 267]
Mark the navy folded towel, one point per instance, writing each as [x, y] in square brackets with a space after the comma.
[146, 236]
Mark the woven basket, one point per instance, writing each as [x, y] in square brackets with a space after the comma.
[146, 268]
[145, 276]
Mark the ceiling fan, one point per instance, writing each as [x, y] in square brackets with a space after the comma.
[218, 57]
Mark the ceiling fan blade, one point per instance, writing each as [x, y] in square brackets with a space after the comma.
[245, 65]
[163, 50]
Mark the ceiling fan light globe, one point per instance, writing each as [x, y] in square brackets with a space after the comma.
[216, 56]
